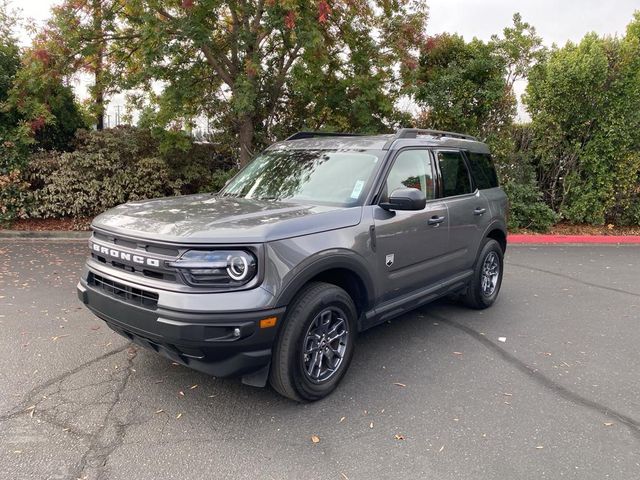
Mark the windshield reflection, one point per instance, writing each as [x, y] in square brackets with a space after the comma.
[308, 176]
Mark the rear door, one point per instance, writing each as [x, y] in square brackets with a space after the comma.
[410, 244]
[468, 209]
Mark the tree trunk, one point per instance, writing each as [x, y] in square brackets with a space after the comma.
[98, 92]
[99, 103]
[245, 137]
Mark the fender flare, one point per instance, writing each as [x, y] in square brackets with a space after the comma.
[321, 262]
[494, 225]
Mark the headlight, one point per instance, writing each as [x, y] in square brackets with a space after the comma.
[217, 268]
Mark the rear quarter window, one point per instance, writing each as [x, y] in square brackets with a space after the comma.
[482, 169]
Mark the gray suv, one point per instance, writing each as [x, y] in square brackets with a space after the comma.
[320, 237]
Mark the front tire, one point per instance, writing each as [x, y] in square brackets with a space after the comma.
[485, 284]
[316, 343]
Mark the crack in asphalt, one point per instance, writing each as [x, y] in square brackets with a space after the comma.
[569, 277]
[541, 379]
[29, 397]
[108, 437]
[101, 446]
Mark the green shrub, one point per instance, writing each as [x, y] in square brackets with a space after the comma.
[13, 192]
[200, 167]
[527, 210]
[116, 166]
[83, 184]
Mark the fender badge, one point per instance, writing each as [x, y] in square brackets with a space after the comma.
[389, 260]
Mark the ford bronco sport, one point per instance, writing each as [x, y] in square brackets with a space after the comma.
[318, 238]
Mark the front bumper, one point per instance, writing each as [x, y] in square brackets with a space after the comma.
[223, 344]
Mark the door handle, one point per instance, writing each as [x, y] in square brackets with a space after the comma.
[435, 220]
[479, 211]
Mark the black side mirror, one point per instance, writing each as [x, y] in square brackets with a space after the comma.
[405, 199]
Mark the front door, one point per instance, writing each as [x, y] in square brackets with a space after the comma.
[410, 244]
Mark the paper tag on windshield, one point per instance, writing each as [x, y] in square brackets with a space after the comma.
[357, 189]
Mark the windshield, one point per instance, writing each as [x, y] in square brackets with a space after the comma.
[307, 176]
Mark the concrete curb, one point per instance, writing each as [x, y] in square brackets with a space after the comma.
[522, 239]
[44, 234]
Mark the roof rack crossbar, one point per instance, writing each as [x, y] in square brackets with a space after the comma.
[414, 132]
[303, 134]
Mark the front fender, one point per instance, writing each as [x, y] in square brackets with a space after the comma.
[321, 262]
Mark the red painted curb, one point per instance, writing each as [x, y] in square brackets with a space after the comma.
[552, 239]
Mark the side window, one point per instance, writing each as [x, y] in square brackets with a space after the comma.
[412, 169]
[483, 170]
[455, 176]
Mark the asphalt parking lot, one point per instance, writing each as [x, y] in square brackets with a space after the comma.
[546, 384]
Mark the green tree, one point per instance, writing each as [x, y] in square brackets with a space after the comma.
[247, 63]
[9, 64]
[14, 138]
[79, 38]
[583, 100]
[462, 86]
[46, 108]
[520, 47]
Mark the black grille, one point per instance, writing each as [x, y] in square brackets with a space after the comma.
[160, 275]
[135, 296]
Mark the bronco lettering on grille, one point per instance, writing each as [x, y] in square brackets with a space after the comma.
[125, 256]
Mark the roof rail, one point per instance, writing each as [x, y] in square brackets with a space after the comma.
[414, 132]
[303, 134]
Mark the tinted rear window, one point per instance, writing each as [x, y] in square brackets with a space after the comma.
[483, 170]
[455, 176]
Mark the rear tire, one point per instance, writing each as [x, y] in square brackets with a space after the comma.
[485, 284]
[315, 344]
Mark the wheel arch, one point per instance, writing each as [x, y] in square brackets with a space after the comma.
[345, 270]
[496, 230]
[499, 235]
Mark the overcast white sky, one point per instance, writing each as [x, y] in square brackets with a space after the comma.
[557, 21]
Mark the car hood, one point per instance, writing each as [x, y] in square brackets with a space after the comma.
[205, 218]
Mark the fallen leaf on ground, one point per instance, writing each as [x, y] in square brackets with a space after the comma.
[398, 436]
[315, 439]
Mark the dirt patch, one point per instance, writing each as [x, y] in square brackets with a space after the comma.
[41, 224]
